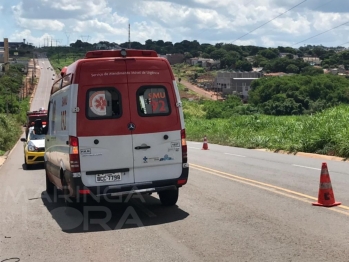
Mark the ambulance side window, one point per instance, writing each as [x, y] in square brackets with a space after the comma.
[103, 103]
[153, 101]
[56, 86]
[52, 125]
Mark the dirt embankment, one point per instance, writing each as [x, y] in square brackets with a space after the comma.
[31, 80]
[199, 91]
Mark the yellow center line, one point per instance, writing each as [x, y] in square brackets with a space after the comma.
[265, 186]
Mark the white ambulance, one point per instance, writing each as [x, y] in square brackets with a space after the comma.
[116, 127]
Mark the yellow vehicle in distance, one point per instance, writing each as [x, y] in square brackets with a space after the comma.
[34, 148]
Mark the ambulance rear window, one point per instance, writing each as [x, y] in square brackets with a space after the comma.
[103, 103]
[153, 101]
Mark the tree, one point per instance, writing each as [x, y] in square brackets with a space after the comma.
[312, 71]
[244, 65]
[292, 69]
[269, 53]
[187, 55]
[218, 54]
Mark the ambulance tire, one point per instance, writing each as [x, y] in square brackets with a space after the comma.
[168, 197]
[69, 201]
[50, 188]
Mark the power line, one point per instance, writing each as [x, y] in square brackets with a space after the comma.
[270, 20]
[322, 33]
[344, 43]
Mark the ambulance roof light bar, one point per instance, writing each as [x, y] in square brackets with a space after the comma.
[121, 53]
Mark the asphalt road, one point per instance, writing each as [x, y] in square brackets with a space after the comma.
[239, 205]
[42, 94]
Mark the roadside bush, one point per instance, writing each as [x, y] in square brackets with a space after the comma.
[300, 94]
[9, 132]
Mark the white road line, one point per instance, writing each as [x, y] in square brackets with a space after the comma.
[307, 167]
[234, 155]
[193, 147]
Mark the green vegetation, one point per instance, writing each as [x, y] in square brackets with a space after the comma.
[323, 133]
[231, 56]
[12, 108]
[319, 126]
[10, 127]
[10, 85]
[59, 60]
[300, 94]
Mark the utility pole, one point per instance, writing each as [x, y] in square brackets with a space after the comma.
[67, 34]
[129, 36]
[85, 36]
[6, 54]
[33, 69]
[47, 39]
[57, 41]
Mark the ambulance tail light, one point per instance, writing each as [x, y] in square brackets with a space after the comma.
[74, 157]
[184, 146]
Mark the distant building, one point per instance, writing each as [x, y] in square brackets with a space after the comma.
[337, 71]
[312, 60]
[235, 82]
[1, 55]
[283, 55]
[204, 62]
[175, 58]
[102, 46]
[275, 74]
[12, 44]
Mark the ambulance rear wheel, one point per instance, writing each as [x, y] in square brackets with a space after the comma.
[49, 186]
[168, 197]
[69, 201]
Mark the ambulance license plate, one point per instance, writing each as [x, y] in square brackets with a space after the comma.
[108, 177]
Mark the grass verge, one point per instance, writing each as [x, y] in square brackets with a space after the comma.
[322, 133]
[11, 127]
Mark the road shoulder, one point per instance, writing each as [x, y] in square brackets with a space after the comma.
[309, 155]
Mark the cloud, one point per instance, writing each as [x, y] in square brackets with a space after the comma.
[295, 25]
[26, 34]
[327, 21]
[37, 24]
[62, 9]
[207, 21]
[143, 31]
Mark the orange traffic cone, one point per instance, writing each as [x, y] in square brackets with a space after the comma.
[326, 196]
[205, 145]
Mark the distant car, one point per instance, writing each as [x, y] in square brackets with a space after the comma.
[53, 78]
[34, 148]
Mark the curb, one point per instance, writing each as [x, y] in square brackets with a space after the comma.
[308, 155]
[7, 155]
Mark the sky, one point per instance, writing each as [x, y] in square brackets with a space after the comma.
[241, 22]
